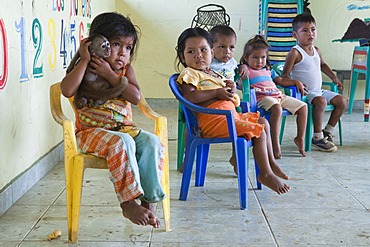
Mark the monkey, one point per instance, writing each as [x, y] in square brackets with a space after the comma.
[93, 88]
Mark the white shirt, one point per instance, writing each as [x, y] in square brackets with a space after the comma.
[308, 70]
[226, 69]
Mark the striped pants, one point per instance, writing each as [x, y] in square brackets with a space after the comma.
[135, 164]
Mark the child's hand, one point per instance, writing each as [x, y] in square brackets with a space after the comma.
[300, 87]
[231, 85]
[225, 93]
[100, 67]
[338, 83]
[84, 49]
[243, 71]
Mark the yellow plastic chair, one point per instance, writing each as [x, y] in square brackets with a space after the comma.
[76, 162]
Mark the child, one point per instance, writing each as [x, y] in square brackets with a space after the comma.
[194, 52]
[305, 63]
[269, 97]
[224, 41]
[134, 156]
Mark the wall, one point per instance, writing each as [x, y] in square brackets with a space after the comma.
[332, 20]
[162, 21]
[37, 39]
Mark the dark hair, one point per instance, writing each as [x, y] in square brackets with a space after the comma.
[192, 32]
[258, 42]
[302, 18]
[113, 25]
[221, 30]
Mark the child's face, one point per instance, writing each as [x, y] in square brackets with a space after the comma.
[257, 59]
[197, 53]
[306, 34]
[224, 47]
[121, 52]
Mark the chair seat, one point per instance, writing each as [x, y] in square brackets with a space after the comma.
[91, 161]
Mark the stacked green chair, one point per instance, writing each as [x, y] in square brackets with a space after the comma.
[276, 18]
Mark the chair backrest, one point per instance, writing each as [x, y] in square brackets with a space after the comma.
[60, 118]
[69, 137]
[210, 15]
[278, 67]
[191, 120]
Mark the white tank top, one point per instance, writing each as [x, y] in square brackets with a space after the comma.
[308, 70]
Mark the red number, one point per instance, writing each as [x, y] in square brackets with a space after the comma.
[4, 72]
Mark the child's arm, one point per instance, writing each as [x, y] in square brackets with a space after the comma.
[243, 71]
[327, 71]
[292, 58]
[284, 82]
[290, 61]
[132, 92]
[206, 97]
[102, 68]
[72, 80]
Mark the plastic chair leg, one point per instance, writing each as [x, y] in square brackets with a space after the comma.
[282, 128]
[259, 185]
[340, 132]
[74, 179]
[180, 137]
[354, 79]
[367, 98]
[186, 175]
[166, 202]
[242, 161]
[309, 128]
[201, 164]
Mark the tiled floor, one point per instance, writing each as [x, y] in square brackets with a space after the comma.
[327, 206]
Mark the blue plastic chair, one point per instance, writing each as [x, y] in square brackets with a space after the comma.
[195, 143]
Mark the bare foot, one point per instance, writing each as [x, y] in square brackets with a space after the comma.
[181, 169]
[274, 183]
[276, 151]
[277, 171]
[153, 221]
[300, 144]
[136, 214]
[232, 161]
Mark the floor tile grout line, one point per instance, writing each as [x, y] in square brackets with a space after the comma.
[263, 213]
[42, 215]
[360, 203]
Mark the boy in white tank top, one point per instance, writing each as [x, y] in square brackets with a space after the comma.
[304, 62]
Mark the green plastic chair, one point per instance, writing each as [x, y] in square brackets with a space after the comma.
[329, 107]
[360, 65]
[180, 136]
[278, 67]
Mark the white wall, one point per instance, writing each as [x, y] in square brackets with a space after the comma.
[27, 130]
[162, 21]
[332, 20]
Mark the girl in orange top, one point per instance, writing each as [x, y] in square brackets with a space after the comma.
[194, 52]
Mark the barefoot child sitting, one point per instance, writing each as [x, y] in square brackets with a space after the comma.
[256, 65]
[194, 52]
[107, 131]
